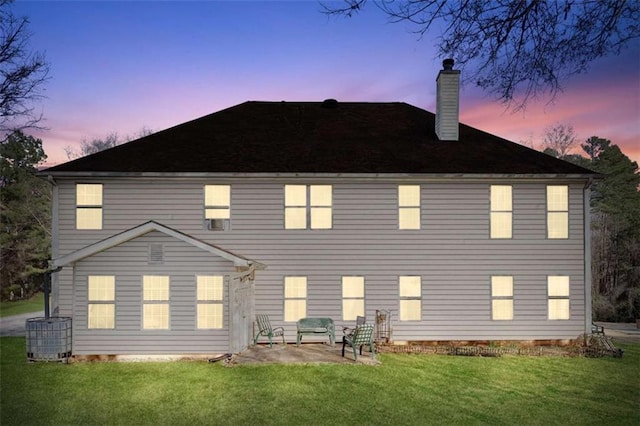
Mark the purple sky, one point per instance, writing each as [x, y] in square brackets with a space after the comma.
[122, 66]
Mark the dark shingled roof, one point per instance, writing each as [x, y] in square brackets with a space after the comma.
[320, 137]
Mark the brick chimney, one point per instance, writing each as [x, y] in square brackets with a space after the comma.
[448, 102]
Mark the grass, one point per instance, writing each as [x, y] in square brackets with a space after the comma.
[405, 389]
[35, 304]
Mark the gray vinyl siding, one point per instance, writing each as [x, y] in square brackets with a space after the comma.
[128, 262]
[452, 251]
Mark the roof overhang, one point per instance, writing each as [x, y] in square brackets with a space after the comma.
[322, 176]
[143, 229]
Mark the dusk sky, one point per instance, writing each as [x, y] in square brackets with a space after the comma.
[122, 66]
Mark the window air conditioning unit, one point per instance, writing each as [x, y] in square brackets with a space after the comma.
[217, 224]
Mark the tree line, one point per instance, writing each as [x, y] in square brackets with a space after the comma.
[615, 221]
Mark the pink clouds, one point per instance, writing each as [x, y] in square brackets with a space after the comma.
[605, 103]
[120, 66]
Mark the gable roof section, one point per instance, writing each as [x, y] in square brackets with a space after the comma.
[141, 230]
[318, 137]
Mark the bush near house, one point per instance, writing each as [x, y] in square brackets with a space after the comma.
[405, 389]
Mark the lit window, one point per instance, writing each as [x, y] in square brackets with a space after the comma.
[101, 294]
[308, 205]
[558, 293]
[409, 206]
[352, 298]
[501, 211]
[295, 298]
[155, 295]
[217, 201]
[410, 298]
[502, 297]
[88, 206]
[557, 211]
[210, 299]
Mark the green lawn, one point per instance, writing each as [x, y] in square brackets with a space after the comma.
[35, 304]
[405, 389]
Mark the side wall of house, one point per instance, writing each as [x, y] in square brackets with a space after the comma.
[128, 263]
[452, 252]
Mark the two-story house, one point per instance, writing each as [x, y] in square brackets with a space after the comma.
[170, 244]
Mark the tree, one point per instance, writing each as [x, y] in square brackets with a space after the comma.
[517, 49]
[22, 74]
[615, 232]
[559, 139]
[92, 146]
[100, 144]
[25, 202]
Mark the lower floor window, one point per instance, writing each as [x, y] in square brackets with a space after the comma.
[558, 294]
[210, 293]
[295, 298]
[155, 296]
[352, 298]
[101, 309]
[502, 297]
[410, 298]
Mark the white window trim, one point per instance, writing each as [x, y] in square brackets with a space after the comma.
[285, 298]
[209, 302]
[494, 209]
[90, 207]
[101, 302]
[502, 297]
[557, 211]
[566, 297]
[222, 207]
[309, 208]
[353, 298]
[412, 207]
[163, 302]
[408, 298]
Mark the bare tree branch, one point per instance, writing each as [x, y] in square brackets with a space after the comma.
[22, 74]
[516, 50]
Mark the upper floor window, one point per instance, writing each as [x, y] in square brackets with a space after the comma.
[295, 298]
[557, 211]
[352, 298]
[501, 211]
[558, 297]
[409, 206]
[217, 201]
[89, 206]
[410, 298]
[210, 301]
[308, 206]
[155, 298]
[501, 297]
[101, 295]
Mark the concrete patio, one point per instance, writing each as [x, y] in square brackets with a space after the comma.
[306, 353]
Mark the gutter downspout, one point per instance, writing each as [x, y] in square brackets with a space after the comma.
[53, 280]
[46, 287]
[588, 318]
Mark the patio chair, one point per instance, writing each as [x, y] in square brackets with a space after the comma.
[348, 331]
[265, 329]
[362, 335]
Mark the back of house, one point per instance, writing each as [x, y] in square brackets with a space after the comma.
[170, 244]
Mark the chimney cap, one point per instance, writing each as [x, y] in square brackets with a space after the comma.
[447, 64]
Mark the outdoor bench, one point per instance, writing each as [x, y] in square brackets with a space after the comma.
[316, 327]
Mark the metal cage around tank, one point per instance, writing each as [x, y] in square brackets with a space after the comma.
[48, 339]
